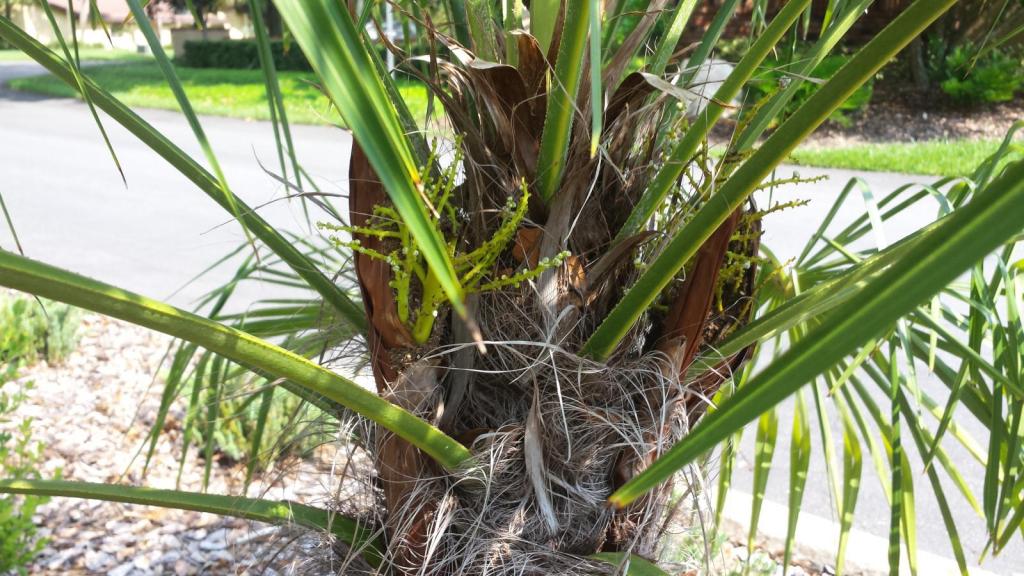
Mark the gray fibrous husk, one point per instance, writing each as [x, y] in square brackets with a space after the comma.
[552, 435]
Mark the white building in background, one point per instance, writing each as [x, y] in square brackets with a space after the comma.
[173, 27]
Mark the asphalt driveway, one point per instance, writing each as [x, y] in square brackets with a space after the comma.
[71, 208]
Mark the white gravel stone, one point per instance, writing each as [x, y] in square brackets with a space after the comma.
[98, 560]
[215, 540]
[169, 542]
[168, 558]
[122, 570]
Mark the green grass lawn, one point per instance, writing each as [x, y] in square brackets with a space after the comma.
[240, 93]
[936, 157]
[85, 53]
[237, 93]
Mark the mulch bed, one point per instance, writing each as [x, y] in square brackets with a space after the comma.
[900, 115]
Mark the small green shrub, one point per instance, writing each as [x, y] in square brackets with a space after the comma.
[31, 330]
[289, 429]
[777, 77]
[759, 563]
[227, 422]
[242, 54]
[733, 49]
[995, 76]
[19, 459]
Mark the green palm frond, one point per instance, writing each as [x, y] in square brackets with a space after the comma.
[27, 275]
[335, 48]
[742, 183]
[945, 251]
[361, 537]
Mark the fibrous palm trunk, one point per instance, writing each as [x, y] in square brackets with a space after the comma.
[553, 433]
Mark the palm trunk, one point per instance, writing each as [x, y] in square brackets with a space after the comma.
[543, 422]
[553, 434]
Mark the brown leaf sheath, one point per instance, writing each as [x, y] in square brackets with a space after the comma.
[686, 320]
[398, 462]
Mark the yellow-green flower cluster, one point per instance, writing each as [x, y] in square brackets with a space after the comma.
[476, 268]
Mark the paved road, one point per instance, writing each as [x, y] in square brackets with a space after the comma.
[72, 210]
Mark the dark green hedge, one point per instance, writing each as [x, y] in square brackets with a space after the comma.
[241, 54]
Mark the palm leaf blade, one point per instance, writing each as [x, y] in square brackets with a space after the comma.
[36, 278]
[270, 511]
[334, 46]
[742, 183]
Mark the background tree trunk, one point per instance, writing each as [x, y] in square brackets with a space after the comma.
[918, 69]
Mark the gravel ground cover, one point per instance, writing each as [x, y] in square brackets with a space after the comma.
[93, 413]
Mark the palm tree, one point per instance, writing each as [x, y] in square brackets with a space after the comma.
[551, 294]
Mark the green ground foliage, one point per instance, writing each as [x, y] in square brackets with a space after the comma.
[33, 330]
[214, 91]
[934, 157]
